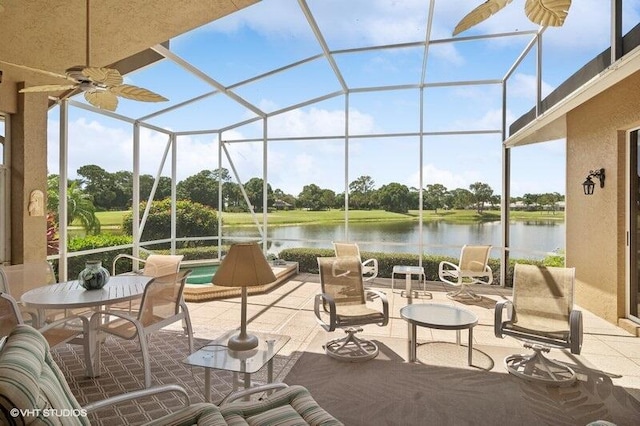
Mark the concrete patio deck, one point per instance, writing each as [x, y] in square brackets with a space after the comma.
[288, 309]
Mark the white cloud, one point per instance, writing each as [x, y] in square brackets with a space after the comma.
[319, 122]
[433, 174]
[525, 86]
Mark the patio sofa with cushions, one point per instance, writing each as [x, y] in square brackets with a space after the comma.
[33, 390]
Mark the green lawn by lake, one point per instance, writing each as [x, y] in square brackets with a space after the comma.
[113, 219]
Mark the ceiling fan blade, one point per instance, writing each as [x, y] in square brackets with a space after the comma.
[137, 93]
[102, 99]
[550, 13]
[49, 73]
[479, 14]
[48, 88]
[106, 76]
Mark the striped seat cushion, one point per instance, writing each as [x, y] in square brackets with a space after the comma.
[291, 406]
[201, 414]
[31, 382]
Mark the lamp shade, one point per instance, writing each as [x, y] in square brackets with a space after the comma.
[244, 266]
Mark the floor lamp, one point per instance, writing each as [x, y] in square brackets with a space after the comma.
[244, 266]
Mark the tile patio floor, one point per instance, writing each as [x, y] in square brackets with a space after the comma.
[288, 310]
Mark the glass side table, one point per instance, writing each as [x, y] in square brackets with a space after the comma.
[216, 355]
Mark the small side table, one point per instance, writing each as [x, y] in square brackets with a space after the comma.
[216, 355]
[408, 271]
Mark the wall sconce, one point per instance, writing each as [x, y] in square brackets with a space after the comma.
[588, 184]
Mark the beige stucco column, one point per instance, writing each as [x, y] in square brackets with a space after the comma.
[28, 174]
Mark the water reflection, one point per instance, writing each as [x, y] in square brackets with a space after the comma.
[534, 236]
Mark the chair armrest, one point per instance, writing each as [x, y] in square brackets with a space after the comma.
[53, 324]
[385, 303]
[373, 263]
[575, 331]
[142, 393]
[321, 299]
[246, 392]
[124, 256]
[498, 316]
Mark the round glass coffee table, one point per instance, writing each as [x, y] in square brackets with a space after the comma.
[441, 317]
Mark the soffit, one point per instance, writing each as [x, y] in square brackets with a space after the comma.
[50, 35]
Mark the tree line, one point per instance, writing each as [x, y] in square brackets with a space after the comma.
[99, 190]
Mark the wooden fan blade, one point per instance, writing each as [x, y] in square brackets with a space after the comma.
[49, 73]
[137, 93]
[550, 13]
[47, 88]
[102, 99]
[479, 14]
[106, 76]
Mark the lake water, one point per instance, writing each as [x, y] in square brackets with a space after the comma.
[529, 239]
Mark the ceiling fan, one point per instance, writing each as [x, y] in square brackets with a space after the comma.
[542, 12]
[101, 85]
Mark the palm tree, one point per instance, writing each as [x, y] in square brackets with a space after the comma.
[79, 205]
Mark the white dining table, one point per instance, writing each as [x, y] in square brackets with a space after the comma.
[71, 295]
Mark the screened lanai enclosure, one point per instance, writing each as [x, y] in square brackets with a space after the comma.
[340, 98]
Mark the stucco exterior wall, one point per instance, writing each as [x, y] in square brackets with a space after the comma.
[596, 224]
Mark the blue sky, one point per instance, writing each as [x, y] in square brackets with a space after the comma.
[274, 33]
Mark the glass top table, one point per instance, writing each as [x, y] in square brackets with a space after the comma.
[441, 317]
[216, 355]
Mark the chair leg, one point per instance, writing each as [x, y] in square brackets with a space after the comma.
[464, 292]
[351, 348]
[539, 368]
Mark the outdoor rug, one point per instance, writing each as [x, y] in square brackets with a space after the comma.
[122, 371]
[443, 390]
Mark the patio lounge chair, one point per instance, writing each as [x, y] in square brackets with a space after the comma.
[162, 304]
[30, 381]
[542, 315]
[342, 304]
[369, 266]
[473, 268]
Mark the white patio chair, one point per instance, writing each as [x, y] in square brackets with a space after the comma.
[473, 268]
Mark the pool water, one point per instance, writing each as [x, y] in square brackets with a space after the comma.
[201, 274]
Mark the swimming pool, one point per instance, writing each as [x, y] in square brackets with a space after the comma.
[201, 274]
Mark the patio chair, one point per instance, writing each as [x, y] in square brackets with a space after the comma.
[369, 266]
[56, 332]
[18, 279]
[30, 380]
[542, 315]
[155, 265]
[342, 304]
[162, 304]
[473, 268]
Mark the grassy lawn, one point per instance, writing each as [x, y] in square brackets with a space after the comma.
[113, 219]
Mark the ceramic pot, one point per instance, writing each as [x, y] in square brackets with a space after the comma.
[94, 276]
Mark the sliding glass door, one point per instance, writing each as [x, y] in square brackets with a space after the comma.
[634, 227]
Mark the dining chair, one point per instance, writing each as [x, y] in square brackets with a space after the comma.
[162, 304]
[18, 279]
[155, 265]
[56, 332]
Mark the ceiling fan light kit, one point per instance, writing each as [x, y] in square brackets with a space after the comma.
[101, 86]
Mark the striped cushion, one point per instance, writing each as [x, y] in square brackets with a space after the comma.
[196, 414]
[31, 380]
[291, 406]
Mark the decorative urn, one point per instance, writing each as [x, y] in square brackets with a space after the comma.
[94, 276]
